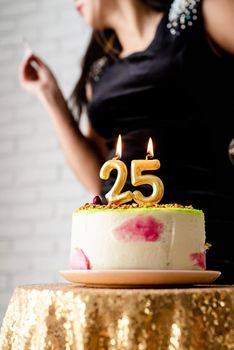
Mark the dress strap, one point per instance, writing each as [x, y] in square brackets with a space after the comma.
[182, 14]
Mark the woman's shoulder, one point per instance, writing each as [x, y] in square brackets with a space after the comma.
[216, 19]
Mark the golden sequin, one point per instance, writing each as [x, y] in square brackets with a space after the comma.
[68, 317]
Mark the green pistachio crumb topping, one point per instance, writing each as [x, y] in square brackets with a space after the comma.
[89, 207]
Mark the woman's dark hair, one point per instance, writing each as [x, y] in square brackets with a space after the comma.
[102, 43]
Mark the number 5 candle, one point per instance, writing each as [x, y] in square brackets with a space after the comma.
[140, 165]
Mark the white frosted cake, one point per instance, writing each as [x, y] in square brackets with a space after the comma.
[159, 237]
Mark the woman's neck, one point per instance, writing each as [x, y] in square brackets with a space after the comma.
[135, 25]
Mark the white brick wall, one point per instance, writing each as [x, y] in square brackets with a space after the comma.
[37, 189]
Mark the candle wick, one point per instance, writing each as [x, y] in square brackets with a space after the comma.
[116, 157]
[148, 155]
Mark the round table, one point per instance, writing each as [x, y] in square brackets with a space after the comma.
[67, 316]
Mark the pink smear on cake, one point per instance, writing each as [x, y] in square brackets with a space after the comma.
[140, 228]
[199, 259]
[78, 260]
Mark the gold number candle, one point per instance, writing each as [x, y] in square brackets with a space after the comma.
[115, 195]
[140, 165]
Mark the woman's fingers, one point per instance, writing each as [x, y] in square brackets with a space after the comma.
[37, 60]
[26, 70]
[30, 68]
[36, 77]
[30, 72]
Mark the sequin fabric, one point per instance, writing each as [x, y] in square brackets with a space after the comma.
[182, 14]
[97, 68]
[68, 317]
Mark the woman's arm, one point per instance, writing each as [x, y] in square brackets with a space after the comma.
[219, 23]
[81, 152]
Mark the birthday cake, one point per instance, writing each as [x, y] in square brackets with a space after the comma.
[141, 234]
[132, 236]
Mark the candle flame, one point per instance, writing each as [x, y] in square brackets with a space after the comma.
[119, 147]
[150, 148]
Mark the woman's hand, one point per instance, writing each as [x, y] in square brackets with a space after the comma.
[36, 77]
[81, 153]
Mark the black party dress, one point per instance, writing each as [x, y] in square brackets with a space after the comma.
[180, 93]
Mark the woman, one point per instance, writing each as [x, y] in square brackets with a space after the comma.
[160, 69]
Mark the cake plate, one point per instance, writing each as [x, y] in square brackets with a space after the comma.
[126, 278]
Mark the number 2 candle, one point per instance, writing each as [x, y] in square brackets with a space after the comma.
[114, 194]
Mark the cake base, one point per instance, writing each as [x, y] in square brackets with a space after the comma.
[133, 278]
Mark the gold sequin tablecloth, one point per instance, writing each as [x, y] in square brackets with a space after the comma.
[65, 317]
